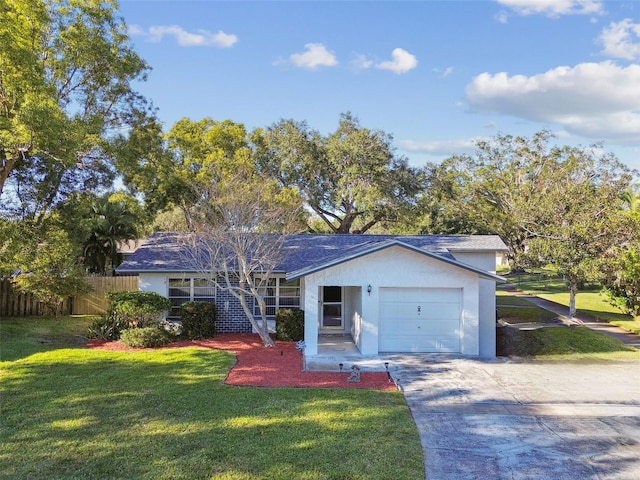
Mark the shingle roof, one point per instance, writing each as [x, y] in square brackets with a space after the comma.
[371, 247]
[161, 253]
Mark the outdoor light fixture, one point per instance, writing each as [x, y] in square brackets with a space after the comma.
[369, 289]
[386, 367]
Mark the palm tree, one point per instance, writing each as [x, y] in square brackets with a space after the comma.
[112, 224]
[631, 197]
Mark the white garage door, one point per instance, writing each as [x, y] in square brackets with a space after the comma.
[420, 319]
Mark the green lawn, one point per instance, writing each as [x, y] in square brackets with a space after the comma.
[554, 343]
[72, 413]
[589, 300]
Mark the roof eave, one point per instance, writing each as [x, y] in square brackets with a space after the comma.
[303, 272]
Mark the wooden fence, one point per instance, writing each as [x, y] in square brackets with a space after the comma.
[16, 304]
[94, 302]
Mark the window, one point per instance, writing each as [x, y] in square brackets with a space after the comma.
[278, 293]
[183, 290]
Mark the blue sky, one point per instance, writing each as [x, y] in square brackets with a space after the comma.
[437, 75]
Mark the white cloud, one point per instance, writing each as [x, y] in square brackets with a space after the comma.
[501, 17]
[135, 30]
[201, 38]
[553, 8]
[402, 62]
[361, 62]
[597, 100]
[316, 55]
[441, 147]
[444, 73]
[621, 40]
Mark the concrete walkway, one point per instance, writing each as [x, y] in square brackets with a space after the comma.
[618, 333]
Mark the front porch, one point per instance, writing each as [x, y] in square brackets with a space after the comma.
[336, 349]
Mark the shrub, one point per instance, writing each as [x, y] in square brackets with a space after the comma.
[629, 303]
[137, 309]
[290, 325]
[106, 328]
[198, 319]
[144, 337]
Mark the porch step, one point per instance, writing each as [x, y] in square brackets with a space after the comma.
[331, 363]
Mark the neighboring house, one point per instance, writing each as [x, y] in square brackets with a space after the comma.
[390, 293]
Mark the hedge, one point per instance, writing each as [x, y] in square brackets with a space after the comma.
[137, 309]
[145, 337]
[198, 320]
[290, 325]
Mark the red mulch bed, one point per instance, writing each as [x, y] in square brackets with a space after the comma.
[259, 366]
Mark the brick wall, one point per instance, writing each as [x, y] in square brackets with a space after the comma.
[231, 317]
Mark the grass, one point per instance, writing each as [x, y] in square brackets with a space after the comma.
[553, 343]
[514, 309]
[26, 336]
[588, 300]
[72, 413]
[569, 344]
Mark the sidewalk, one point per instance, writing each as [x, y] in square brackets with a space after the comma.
[590, 322]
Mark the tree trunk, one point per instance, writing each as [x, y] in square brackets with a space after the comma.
[263, 330]
[573, 289]
[5, 170]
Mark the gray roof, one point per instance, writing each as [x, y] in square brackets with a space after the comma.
[353, 253]
[309, 252]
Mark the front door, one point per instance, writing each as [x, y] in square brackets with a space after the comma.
[332, 308]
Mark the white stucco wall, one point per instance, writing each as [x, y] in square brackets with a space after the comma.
[392, 267]
[487, 314]
[485, 261]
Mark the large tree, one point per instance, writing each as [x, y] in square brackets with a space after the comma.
[66, 75]
[49, 267]
[507, 188]
[498, 190]
[581, 220]
[195, 154]
[351, 179]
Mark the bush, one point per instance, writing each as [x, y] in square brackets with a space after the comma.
[618, 297]
[137, 309]
[198, 319]
[106, 328]
[144, 337]
[289, 325]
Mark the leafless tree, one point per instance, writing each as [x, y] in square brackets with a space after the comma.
[239, 229]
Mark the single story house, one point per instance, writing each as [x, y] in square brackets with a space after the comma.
[390, 293]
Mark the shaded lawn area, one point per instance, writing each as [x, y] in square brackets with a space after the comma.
[554, 343]
[564, 343]
[514, 310]
[589, 300]
[21, 337]
[166, 414]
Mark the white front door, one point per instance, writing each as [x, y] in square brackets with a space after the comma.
[332, 318]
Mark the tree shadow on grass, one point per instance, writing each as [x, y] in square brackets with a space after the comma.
[168, 414]
[22, 337]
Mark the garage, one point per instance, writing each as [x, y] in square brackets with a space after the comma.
[420, 319]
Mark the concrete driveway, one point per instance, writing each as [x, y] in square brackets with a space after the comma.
[510, 419]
